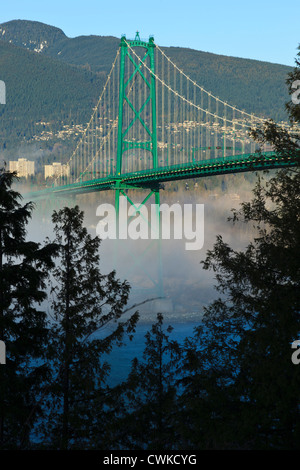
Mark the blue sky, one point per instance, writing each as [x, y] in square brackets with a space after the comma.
[265, 30]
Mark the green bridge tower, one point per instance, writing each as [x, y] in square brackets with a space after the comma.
[142, 113]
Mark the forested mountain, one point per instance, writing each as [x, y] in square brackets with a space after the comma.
[94, 52]
[42, 95]
[254, 86]
[54, 81]
[31, 34]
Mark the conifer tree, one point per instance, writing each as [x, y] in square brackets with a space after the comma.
[240, 362]
[85, 302]
[150, 393]
[24, 267]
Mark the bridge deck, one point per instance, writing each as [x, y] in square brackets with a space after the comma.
[152, 177]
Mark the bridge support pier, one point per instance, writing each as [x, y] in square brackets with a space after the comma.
[151, 247]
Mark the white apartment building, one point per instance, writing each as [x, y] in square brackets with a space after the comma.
[23, 167]
[56, 169]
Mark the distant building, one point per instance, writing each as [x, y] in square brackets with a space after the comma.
[23, 167]
[56, 169]
[268, 147]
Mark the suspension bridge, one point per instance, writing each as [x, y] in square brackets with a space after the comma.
[153, 124]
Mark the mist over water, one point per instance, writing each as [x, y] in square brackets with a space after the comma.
[187, 287]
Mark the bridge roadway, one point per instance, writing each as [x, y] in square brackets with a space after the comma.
[151, 178]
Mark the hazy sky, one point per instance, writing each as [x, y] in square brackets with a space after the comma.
[266, 30]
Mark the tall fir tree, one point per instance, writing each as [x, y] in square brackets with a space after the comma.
[149, 418]
[243, 347]
[24, 267]
[85, 302]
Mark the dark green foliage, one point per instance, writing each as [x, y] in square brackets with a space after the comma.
[149, 418]
[242, 388]
[24, 269]
[246, 337]
[85, 302]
